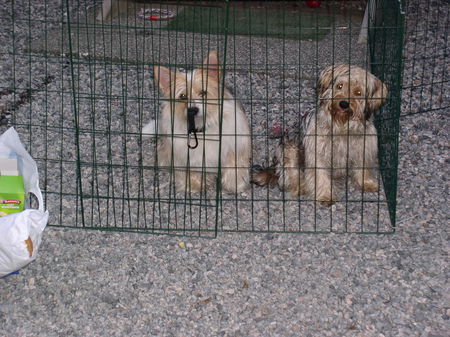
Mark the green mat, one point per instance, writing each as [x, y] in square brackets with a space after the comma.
[257, 22]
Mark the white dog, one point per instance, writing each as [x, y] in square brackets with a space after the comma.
[199, 120]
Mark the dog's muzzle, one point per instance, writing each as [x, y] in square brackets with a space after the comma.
[341, 110]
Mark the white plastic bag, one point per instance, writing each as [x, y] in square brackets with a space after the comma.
[21, 233]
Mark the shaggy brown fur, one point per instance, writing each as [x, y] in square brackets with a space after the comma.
[339, 140]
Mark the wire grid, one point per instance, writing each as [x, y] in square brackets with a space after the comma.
[83, 89]
[426, 74]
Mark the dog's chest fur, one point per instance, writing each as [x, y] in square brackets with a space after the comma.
[338, 146]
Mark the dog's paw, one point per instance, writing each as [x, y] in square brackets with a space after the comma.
[326, 201]
[240, 187]
[264, 176]
[149, 130]
[370, 186]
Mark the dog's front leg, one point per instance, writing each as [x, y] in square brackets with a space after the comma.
[318, 180]
[365, 162]
[188, 181]
[291, 159]
[365, 179]
[319, 185]
[235, 172]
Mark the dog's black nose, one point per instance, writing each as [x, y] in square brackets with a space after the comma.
[344, 104]
[193, 110]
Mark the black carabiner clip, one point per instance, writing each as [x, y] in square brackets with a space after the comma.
[191, 112]
[189, 141]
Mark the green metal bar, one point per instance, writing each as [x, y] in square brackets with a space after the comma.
[76, 115]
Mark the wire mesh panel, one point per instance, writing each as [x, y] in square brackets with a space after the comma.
[386, 38]
[157, 117]
[275, 75]
[89, 75]
[426, 74]
[122, 183]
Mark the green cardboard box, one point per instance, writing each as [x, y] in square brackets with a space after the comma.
[12, 195]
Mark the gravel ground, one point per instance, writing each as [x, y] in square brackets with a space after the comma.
[92, 283]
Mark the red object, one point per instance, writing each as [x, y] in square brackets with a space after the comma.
[277, 129]
[10, 201]
[156, 14]
[313, 3]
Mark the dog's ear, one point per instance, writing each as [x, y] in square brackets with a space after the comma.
[162, 76]
[377, 97]
[212, 66]
[325, 79]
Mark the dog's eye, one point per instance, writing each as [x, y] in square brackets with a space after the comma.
[358, 93]
[202, 93]
[183, 96]
[340, 85]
